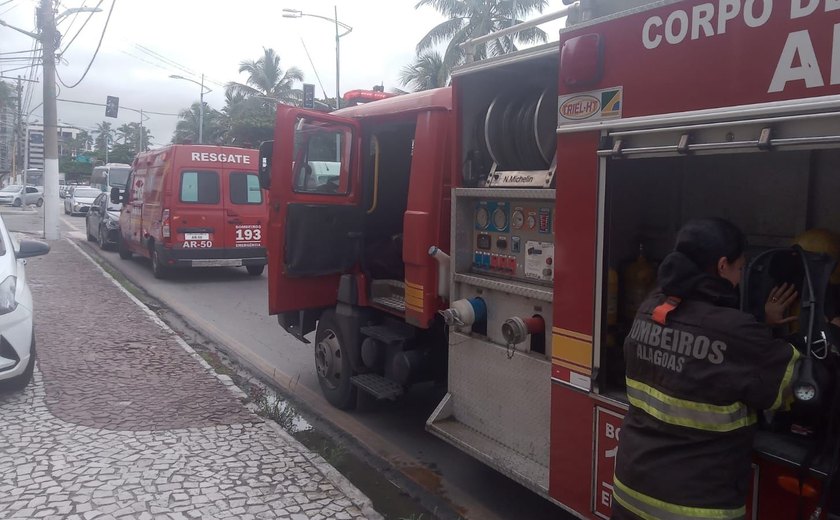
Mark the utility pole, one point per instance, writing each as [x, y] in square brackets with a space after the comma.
[17, 144]
[48, 42]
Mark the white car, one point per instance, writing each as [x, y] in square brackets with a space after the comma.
[18, 195]
[80, 200]
[17, 333]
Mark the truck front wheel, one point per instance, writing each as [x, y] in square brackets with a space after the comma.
[332, 363]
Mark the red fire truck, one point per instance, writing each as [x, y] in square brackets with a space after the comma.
[505, 228]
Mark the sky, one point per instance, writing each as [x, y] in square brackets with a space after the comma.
[146, 41]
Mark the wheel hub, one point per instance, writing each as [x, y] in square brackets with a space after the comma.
[328, 359]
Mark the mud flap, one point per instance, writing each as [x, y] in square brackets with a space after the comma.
[299, 323]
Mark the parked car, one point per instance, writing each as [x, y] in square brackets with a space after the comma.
[79, 201]
[194, 206]
[18, 195]
[102, 222]
[62, 190]
[17, 347]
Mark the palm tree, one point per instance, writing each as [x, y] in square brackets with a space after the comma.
[468, 19]
[104, 136]
[124, 133]
[267, 78]
[427, 72]
[188, 121]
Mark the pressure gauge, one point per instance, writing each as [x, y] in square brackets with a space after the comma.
[482, 217]
[517, 219]
[532, 221]
[804, 392]
[500, 219]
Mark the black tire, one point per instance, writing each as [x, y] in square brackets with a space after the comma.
[40, 203]
[255, 270]
[20, 382]
[100, 238]
[158, 269]
[17, 203]
[90, 237]
[332, 363]
[125, 254]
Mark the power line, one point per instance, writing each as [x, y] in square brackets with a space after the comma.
[76, 15]
[17, 52]
[98, 45]
[90, 15]
[164, 59]
[122, 106]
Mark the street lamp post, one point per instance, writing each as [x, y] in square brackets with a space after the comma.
[294, 13]
[200, 103]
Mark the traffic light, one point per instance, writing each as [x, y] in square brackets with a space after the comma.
[308, 95]
[112, 106]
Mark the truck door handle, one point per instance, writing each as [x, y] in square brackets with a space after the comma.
[234, 221]
[355, 235]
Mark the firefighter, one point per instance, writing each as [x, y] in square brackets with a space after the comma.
[698, 371]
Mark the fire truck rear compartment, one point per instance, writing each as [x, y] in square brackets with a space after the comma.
[772, 196]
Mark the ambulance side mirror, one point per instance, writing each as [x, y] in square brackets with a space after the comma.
[266, 148]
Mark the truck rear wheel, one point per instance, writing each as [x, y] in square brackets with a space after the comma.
[158, 268]
[332, 363]
[255, 270]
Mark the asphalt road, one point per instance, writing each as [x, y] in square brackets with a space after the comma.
[230, 307]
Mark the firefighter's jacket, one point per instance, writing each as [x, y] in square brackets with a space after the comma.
[698, 370]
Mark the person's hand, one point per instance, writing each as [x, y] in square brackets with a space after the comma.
[780, 299]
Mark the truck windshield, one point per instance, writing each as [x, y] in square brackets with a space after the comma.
[118, 177]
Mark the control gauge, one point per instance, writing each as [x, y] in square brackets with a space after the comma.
[532, 221]
[500, 219]
[482, 217]
[517, 219]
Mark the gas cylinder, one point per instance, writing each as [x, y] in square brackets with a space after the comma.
[639, 280]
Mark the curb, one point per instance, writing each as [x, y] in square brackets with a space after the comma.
[332, 474]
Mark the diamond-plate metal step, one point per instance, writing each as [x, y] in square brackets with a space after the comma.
[392, 302]
[386, 334]
[378, 386]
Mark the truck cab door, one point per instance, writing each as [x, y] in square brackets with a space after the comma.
[315, 214]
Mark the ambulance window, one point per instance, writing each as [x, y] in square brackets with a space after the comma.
[322, 157]
[245, 188]
[200, 187]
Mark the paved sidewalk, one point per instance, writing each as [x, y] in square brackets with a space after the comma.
[122, 421]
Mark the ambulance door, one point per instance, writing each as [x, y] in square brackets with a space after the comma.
[245, 214]
[315, 214]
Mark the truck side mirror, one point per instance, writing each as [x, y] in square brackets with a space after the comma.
[116, 195]
[266, 148]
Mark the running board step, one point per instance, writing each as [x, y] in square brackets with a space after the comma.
[396, 303]
[388, 334]
[378, 386]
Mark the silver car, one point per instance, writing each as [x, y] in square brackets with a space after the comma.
[19, 195]
[80, 200]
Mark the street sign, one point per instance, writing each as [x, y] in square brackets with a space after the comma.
[112, 106]
[308, 95]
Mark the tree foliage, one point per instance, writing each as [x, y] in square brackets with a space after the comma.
[468, 19]
[427, 72]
